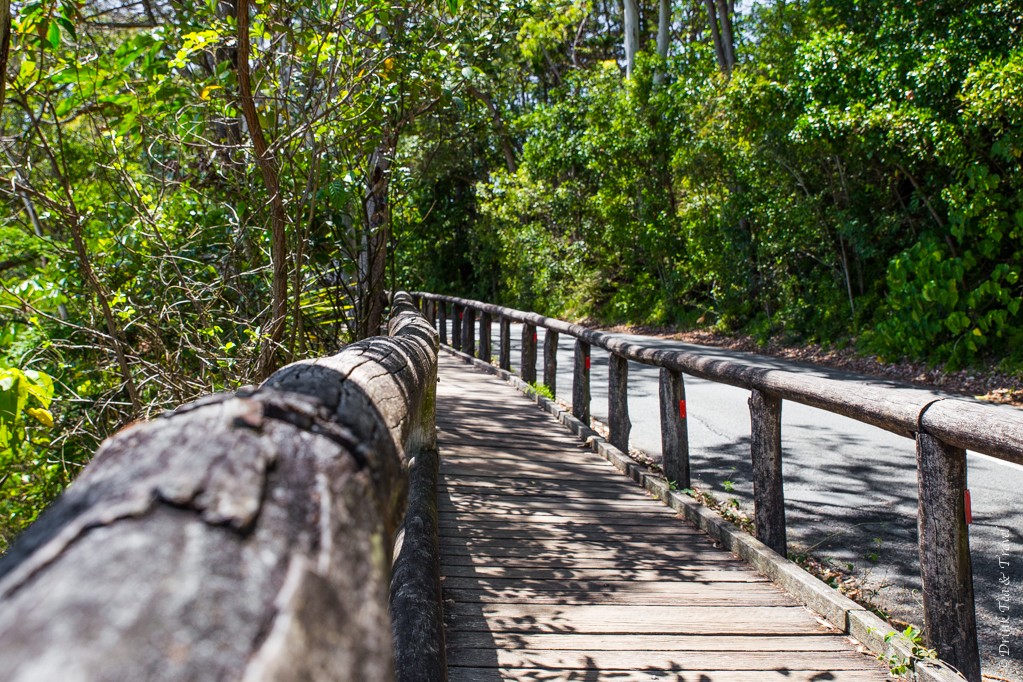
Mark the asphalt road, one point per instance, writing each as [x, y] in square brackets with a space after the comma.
[850, 488]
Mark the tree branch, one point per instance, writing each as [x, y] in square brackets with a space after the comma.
[278, 218]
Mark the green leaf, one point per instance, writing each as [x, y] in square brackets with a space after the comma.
[40, 386]
[10, 380]
[68, 26]
[53, 35]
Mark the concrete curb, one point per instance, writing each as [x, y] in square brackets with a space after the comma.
[838, 610]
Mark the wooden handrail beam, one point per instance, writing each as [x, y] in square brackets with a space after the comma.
[983, 428]
[246, 535]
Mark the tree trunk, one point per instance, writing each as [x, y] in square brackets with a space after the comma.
[715, 34]
[372, 262]
[278, 218]
[631, 31]
[663, 36]
[115, 331]
[5, 46]
[727, 39]
[503, 138]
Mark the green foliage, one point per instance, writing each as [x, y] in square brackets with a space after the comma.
[137, 258]
[912, 637]
[28, 480]
[856, 177]
[541, 389]
[24, 395]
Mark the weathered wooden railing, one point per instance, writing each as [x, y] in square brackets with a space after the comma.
[248, 535]
[943, 429]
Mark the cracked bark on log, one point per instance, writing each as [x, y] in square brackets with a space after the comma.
[243, 536]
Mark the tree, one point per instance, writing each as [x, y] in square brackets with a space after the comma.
[630, 34]
[663, 36]
[719, 19]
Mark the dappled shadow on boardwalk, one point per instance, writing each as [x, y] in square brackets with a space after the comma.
[556, 567]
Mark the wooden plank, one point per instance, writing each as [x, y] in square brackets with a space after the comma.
[701, 597]
[575, 551]
[510, 443]
[580, 508]
[657, 533]
[655, 545]
[721, 643]
[550, 518]
[708, 575]
[519, 466]
[602, 619]
[525, 556]
[555, 567]
[624, 556]
[567, 490]
[490, 449]
[657, 660]
[515, 504]
[516, 487]
[540, 520]
[613, 584]
[466, 674]
[668, 568]
[497, 470]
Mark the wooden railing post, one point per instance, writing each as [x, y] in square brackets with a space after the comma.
[765, 450]
[528, 369]
[469, 331]
[504, 357]
[550, 361]
[674, 428]
[456, 326]
[945, 567]
[443, 310]
[485, 322]
[618, 402]
[581, 382]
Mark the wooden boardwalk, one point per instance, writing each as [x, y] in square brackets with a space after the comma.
[556, 567]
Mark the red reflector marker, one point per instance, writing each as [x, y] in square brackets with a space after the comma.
[968, 506]
[587, 363]
[682, 409]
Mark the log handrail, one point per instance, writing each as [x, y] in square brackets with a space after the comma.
[903, 411]
[943, 429]
[247, 535]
